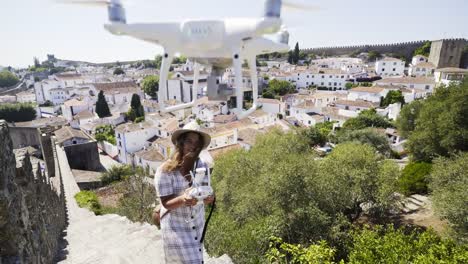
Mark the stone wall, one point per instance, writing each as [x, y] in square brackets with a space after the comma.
[32, 214]
[447, 52]
[24, 136]
[84, 156]
[405, 48]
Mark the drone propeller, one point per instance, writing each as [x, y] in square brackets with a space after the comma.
[298, 6]
[100, 3]
[115, 8]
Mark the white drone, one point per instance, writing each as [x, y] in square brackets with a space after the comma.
[219, 43]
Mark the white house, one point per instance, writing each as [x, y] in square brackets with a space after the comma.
[418, 59]
[118, 92]
[355, 106]
[310, 119]
[26, 97]
[67, 136]
[148, 157]
[332, 79]
[272, 106]
[390, 67]
[133, 137]
[447, 75]
[421, 69]
[262, 119]
[221, 136]
[371, 94]
[421, 83]
[74, 106]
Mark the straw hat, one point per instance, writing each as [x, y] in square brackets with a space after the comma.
[191, 127]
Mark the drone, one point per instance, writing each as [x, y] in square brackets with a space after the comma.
[220, 44]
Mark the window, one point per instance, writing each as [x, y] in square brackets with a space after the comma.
[383, 63]
[331, 76]
[174, 97]
[383, 69]
[427, 87]
[394, 63]
[307, 76]
[334, 84]
[411, 86]
[342, 76]
[323, 76]
[394, 69]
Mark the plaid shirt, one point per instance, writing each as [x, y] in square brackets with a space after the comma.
[182, 227]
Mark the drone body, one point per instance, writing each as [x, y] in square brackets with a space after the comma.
[219, 43]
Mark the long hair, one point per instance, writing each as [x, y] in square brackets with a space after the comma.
[175, 161]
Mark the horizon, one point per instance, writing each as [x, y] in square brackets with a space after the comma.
[46, 27]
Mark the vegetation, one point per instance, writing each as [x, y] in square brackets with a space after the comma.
[449, 186]
[374, 55]
[279, 188]
[150, 85]
[392, 97]
[116, 173]
[377, 245]
[17, 112]
[118, 71]
[136, 110]
[138, 198]
[414, 178]
[102, 109]
[424, 50]
[278, 88]
[368, 136]
[8, 79]
[105, 133]
[89, 200]
[367, 118]
[437, 126]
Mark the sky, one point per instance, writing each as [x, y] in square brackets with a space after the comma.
[35, 28]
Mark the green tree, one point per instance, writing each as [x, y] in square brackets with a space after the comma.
[374, 55]
[157, 61]
[138, 200]
[393, 97]
[315, 136]
[105, 133]
[388, 246]
[136, 105]
[150, 85]
[424, 50]
[118, 71]
[116, 173]
[8, 79]
[368, 136]
[102, 109]
[37, 64]
[348, 85]
[442, 124]
[449, 186]
[281, 252]
[279, 87]
[367, 118]
[414, 178]
[17, 112]
[406, 120]
[296, 54]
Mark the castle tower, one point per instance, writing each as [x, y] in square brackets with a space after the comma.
[447, 52]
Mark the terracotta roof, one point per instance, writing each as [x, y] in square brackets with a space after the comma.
[66, 133]
[131, 127]
[373, 89]
[215, 153]
[117, 87]
[408, 80]
[74, 102]
[389, 59]
[258, 113]
[68, 75]
[166, 142]
[150, 154]
[84, 114]
[42, 122]
[224, 118]
[452, 70]
[269, 101]
[305, 105]
[358, 103]
[424, 65]
[248, 135]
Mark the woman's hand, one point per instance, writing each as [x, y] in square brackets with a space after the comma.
[188, 200]
[209, 199]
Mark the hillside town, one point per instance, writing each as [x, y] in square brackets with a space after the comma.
[107, 115]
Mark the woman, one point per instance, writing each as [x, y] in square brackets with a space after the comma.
[182, 225]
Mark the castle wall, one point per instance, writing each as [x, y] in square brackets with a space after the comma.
[32, 214]
[447, 52]
[83, 156]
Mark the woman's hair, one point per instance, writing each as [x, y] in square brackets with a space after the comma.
[175, 161]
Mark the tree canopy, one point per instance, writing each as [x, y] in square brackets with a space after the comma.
[150, 85]
[367, 118]
[424, 50]
[8, 79]
[439, 126]
[393, 97]
[17, 112]
[102, 108]
[118, 71]
[278, 88]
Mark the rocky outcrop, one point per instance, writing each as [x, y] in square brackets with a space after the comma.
[32, 214]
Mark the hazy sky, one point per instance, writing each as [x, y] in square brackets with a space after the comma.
[38, 27]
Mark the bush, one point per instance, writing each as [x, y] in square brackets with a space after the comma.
[8, 79]
[89, 200]
[449, 186]
[139, 119]
[116, 173]
[105, 133]
[414, 178]
[17, 112]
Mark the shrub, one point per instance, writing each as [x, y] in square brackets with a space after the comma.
[414, 178]
[18, 112]
[89, 200]
[116, 173]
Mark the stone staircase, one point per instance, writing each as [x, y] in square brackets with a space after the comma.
[107, 239]
[413, 203]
